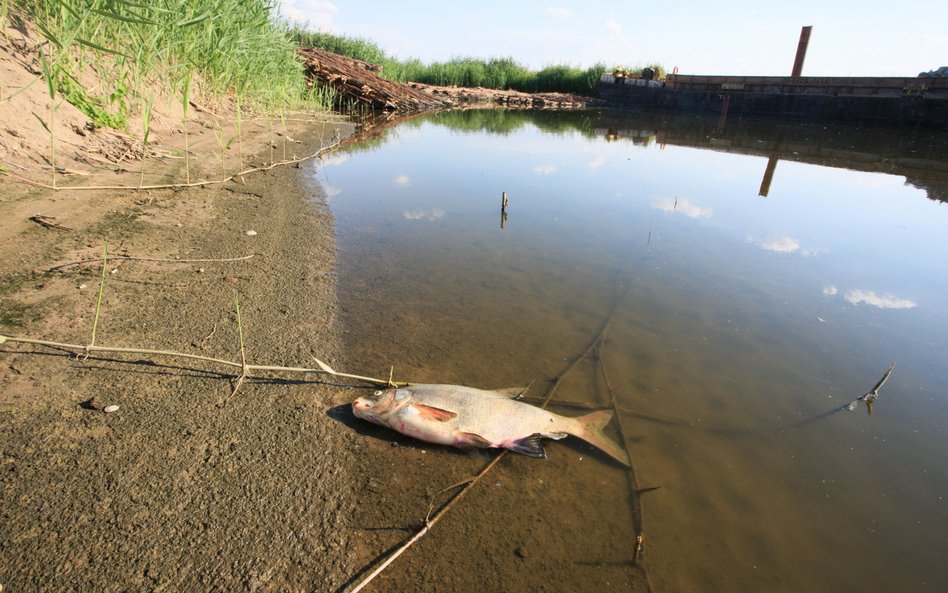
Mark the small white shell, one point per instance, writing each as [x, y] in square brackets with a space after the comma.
[111, 408]
[251, 233]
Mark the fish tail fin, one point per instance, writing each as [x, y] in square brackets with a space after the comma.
[591, 432]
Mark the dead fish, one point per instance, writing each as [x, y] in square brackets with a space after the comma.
[468, 417]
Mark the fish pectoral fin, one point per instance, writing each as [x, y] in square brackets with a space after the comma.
[531, 445]
[432, 413]
[469, 439]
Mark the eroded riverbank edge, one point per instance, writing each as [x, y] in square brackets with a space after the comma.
[185, 487]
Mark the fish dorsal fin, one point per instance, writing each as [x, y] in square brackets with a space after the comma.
[432, 413]
[531, 445]
[512, 392]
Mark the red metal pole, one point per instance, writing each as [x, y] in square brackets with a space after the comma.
[801, 51]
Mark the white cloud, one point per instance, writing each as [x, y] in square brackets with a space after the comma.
[402, 181]
[883, 301]
[613, 26]
[331, 190]
[783, 244]
[683, 206]
[830, 290]
[544, 169]
[434, 214]
[317, 13]
[559, 12]
[598, 161]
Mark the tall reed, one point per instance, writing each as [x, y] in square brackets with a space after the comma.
[135, 48]
[146, 130]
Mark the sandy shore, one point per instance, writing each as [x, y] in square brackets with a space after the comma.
[185, 487]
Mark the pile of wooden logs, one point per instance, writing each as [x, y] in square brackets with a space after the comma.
[478, 97]
[356, 83]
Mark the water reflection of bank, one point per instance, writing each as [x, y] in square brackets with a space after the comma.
[919, 156]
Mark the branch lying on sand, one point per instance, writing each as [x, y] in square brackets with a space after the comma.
[150, 259]
[49, 222]
[315, 155]
[323, 369]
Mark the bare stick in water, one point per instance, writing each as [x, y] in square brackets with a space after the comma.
[872, 394]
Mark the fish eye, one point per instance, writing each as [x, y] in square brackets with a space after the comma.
[378, 393]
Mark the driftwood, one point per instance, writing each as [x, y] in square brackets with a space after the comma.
[355, 81]
[480, 97]
[358, 83]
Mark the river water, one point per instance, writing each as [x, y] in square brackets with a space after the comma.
[756, 277]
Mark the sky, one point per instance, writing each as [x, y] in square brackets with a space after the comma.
[866, 38]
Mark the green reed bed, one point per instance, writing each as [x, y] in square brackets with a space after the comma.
[167, 46]
[113, 59]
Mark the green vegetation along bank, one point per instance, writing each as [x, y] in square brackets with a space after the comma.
[493, 73]
[111, 58]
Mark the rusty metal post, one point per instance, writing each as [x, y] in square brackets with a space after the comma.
[801, 51]
[768, 176]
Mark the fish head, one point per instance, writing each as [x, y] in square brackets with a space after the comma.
[381, 406]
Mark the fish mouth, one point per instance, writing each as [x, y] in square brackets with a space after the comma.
[361, 404]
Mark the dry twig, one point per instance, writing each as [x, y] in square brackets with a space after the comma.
[47, 221]
[323, 369]
[151, 259]
[235, 176]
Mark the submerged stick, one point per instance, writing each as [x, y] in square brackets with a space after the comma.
[638, 517]
[429, 523]
[870, 396]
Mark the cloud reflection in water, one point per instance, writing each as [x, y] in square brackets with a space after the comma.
[883, 301]
[434, 214]
[683, 206]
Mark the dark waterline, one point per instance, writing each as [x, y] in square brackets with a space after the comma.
[743, 324]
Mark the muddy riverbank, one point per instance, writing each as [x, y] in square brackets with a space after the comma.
[186, 486]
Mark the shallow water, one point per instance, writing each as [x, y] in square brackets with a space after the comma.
[742, 324]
